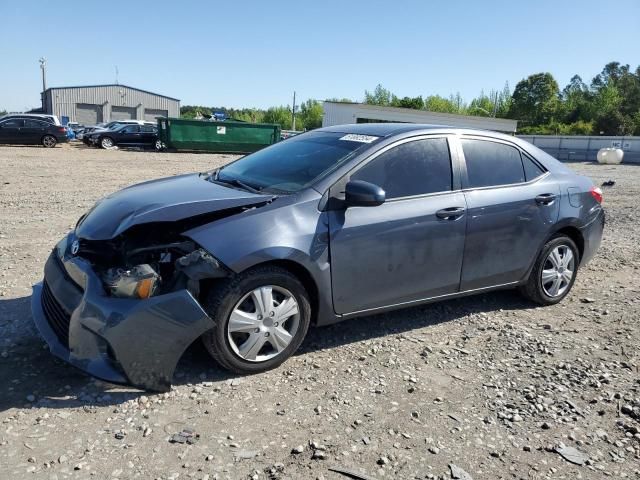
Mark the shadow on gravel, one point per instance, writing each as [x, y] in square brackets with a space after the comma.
[32, 377]
[406, 320]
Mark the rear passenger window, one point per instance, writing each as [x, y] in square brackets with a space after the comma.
[531, 169]
[413, 168]
[491, 164]
[35, 124]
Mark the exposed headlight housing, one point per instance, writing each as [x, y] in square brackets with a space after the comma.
[140, 281]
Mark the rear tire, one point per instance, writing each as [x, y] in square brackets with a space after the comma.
[49, 141]
[279, 332]
[554, 272]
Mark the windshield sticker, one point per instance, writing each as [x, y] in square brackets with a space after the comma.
[352, 137]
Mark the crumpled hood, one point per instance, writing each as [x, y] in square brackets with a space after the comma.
[163, 200]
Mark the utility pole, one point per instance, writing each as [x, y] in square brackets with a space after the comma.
[293, 112]
[117, 75]
[43, 67]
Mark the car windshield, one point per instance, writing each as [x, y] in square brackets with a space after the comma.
[293, 164]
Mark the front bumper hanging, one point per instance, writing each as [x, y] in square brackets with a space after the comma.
[119, 340]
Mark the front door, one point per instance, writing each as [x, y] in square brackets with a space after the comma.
[130, 135]
[512, 205]
[408, 248]
[10, 130]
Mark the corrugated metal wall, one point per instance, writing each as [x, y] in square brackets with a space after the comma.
[63, 101]
[574, 148]
[336, 113]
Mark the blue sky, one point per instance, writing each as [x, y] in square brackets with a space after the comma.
[255, 53]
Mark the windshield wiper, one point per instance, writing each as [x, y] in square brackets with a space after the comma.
[236, 182]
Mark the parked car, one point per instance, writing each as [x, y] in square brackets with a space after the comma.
[86, 137]
[331, 224]
[31, 131]
[128, 135]
[53, 119]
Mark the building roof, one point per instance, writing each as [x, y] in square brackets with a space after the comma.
[401, 114]
[113, 85]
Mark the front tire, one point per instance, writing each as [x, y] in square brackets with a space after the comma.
[49, 141]
[554, 272]
[107, 143]
[260, 319]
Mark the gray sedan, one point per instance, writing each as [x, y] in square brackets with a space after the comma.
[325, 226]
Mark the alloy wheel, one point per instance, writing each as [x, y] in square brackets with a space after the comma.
[558, 271]
[106, 143]
[49, 141]
[263, 323]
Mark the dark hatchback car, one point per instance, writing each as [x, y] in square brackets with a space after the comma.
[331, 224]
[31, 131]
[132, 135]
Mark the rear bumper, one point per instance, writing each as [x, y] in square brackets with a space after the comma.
[124, 341]
[592, 234]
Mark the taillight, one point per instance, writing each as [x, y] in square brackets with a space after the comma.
[62, 130]
[596, 193]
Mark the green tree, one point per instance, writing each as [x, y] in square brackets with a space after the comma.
[380, 96]
[310, 115]
[280, 115]
[535, 100]
[436, 103]
[417, 103]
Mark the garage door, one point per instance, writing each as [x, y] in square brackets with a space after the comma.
[150, 114]
[123, 113]
[88, 114]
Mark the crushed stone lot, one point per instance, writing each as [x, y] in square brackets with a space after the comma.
[487, 387]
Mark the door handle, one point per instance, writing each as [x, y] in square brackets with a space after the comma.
[450, 213]
[546, 198]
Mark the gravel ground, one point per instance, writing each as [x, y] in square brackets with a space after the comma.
[487, 387]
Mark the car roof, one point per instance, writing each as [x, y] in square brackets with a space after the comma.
[392, 129]
[389, 129]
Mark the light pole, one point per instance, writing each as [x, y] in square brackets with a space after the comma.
[43, 67]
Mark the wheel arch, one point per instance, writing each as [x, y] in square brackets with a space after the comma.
[303, 275]
[574, 234]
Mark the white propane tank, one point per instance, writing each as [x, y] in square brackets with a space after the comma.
[610, 156]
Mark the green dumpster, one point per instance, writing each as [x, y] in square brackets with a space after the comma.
[228, 136]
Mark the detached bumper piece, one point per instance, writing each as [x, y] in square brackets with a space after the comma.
[126, 341]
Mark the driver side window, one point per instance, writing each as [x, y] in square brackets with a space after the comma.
[413, 168]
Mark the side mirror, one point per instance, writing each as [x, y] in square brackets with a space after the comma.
[359, 193]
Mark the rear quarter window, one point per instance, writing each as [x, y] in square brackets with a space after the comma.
[531, 168]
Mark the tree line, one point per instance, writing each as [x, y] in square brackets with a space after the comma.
[608, 105]
[308, 114]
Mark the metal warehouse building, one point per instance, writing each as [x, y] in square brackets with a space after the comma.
[103, 103]
[338, 113]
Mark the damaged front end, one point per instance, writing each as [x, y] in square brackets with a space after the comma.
[125, 310]
[120, 294]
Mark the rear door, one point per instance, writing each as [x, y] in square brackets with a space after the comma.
[149, 134]
[34, 130]
[10, 130]
[512, 205]
[405, 249]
